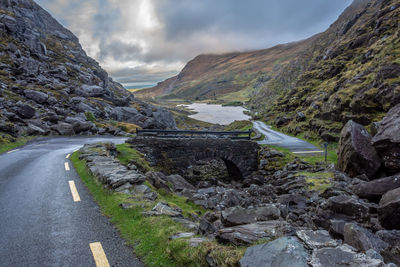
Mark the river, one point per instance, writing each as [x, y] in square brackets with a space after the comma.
[226, 114]
[217, 114]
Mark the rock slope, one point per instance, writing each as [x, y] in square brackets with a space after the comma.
[48, 85]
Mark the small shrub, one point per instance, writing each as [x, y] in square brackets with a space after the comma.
[89, 116]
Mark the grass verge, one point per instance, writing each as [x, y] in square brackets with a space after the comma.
[7, 145]
[127, 155]
[149, 236]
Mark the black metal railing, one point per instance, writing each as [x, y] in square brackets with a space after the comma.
[236, 135]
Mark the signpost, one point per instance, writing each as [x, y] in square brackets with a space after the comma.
[326, 152]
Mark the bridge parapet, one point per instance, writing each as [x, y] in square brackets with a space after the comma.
[240, 156]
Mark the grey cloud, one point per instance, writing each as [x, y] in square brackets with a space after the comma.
[141, 74]
[187, 28]
[300, 18]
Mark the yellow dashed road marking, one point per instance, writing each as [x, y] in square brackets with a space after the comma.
[15, 150]
[66, 166]
[68, 156]
[74, 192]
[99, 255]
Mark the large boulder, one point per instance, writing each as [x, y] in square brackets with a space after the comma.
[79, 124]
[348, 205]
[285, 251]
[389, 209]
[250, 233]
[362, 239]
[238, 215]
[356, 155]
[179, 183]
[38, 97]
[25, 111]
[375, 189]
[387, 140]
[63, 128]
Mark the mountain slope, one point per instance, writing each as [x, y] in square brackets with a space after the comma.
[207, 76]
[48, 85]
[350, 71]
[353, 74]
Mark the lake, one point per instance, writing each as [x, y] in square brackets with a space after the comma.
[217, 113]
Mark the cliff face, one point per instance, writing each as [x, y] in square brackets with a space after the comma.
[48, 85]
[350, 71]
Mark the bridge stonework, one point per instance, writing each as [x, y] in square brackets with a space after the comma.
[176, 155]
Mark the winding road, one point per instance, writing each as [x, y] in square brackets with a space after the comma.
[47, 216]
[294, 144]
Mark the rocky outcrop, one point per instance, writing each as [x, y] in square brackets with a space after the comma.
[356, 155]
[46, 79]
[387, 140]
[375, 189]
[389, 209]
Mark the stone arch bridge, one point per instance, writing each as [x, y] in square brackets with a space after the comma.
[240, 156]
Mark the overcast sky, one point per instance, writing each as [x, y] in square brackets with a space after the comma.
[147, 41]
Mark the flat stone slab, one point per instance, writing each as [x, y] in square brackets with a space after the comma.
[285, 251]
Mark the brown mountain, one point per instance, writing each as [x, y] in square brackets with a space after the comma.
[350, 71]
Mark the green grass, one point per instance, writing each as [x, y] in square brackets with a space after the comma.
[318, 181]
[7, 145]
[126, 155]
[149, 236]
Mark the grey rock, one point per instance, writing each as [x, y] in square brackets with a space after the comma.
[348, 205]
[317, 239]
[187, 223]
[392, 237]
[196, 241]
[63, 128]
[387, 140]
[158, 180]
[356, 155]
[164, 209]
[374, 190]
[285, 251]
[142, 189]
[152, 196]
[343, 255]
[79, 124]
[37, 96]
[179, 183]
[237, 215]
[35, 130]
[362, 239]
[250, 233]
[389, 209]
[91, 90]
[300, 116]
[125, 188]
[25, 111]
[181, 235]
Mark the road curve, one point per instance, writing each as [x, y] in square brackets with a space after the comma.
[282, 140]
[40, 224]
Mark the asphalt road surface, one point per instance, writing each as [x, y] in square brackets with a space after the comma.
[282, 140]
[40, 223]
